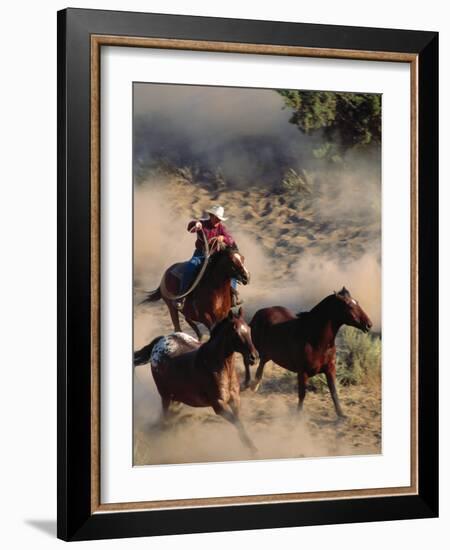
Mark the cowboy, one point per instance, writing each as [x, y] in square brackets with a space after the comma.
[212, 227]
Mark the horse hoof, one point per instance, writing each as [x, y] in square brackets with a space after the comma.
[244, 387]
[254, 386]
[341, 418]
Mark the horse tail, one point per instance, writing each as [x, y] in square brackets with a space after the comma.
[143, 355]
[152, 296]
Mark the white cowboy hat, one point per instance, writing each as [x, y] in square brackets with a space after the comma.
[217, 211]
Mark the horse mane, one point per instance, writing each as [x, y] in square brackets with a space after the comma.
[302, 315]
[308, 319]
[303, 318]
[322, 304]
[217, 328]
[217, 256]
[325, 302]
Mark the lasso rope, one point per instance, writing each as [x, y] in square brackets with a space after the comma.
[208, 252]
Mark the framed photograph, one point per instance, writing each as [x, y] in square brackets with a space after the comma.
[248, 295]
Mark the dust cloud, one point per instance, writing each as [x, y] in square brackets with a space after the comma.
[161, 239]
[298, 248]
[160, 236]
[242, 133]
[297, 280]
[197, 435]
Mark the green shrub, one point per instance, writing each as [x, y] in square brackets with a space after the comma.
[300, 183]
[318, 383]
[358, 357]
[344, 118]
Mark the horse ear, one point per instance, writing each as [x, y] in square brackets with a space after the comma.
[230, 315]
[240, 312]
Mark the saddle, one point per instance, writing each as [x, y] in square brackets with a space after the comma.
[178, 269]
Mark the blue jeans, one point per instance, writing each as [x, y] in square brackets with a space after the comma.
[191, 269]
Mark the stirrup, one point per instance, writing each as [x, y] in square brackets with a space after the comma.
[179, 304]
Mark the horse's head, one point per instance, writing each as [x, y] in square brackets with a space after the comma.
[350, 312]
[231, 263]
[241, 337]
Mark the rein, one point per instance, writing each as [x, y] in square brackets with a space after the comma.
[169, 296]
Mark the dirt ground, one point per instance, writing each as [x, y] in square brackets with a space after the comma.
[272, 422]
[298, 251]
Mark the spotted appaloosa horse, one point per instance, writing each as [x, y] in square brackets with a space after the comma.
[202, 375]
[305, 343]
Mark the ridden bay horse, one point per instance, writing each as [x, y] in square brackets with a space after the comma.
[202, 375]
[210, 301]
[305, 343]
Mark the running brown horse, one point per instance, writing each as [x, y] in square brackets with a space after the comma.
[202, 375]
[305, 343]
[210, 301]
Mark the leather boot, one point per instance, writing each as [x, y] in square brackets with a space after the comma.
[236, 300]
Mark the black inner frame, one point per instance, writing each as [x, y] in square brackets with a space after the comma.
[75, 521]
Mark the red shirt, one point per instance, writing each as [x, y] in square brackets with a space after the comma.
[210, 232]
